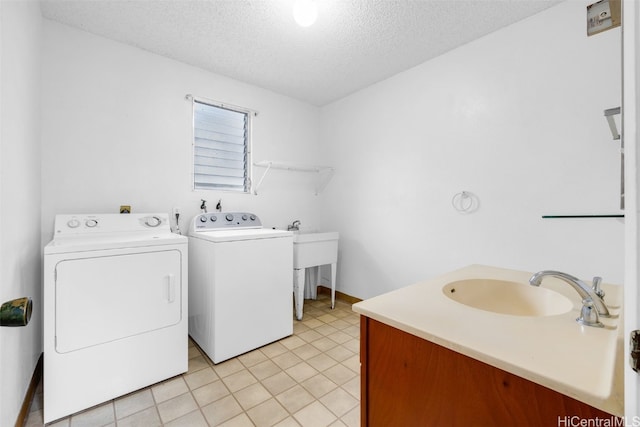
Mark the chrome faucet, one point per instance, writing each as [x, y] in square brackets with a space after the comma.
[295, 226]
[592, 304]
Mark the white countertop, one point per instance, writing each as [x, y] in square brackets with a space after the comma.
[582, 362]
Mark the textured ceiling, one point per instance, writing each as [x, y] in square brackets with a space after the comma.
[353, 44]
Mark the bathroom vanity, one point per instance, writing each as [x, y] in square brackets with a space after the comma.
[428, 359]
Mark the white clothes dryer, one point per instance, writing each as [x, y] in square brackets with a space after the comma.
[115, 308]
[240, 278]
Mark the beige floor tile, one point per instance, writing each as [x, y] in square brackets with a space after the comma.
[326, 329]
[324, 344]
[239, 380]
[267, 413]
[353, 331]
[221, 410]
[199, 378]
[147, 418]
[264, 369]
[192, 419]
[301, 371]
[286, 360]
[327, 318]
[310, 335]
[339, 374]
[295, 398]
[339, 353]
[65, 422]
[274, 349]
[353, 345]
[197, 363]
[133, 403]
[241, 420]
[292, 342]
[177, 407]
[210, 393]
[252, 395]
[288, 422]
[299, 327]
[319, 385]
[340, 324]
[169, 389]
[339, 401]
[228, 367]
[96, 416]
[353, 386]
[340, 337]
[353, 363]
[252, 358]
[36, 419]
[312, 322]
[278, 383]
[352, 418]
[306, 351]
[321, 362]
[194, 352]
[314, 415]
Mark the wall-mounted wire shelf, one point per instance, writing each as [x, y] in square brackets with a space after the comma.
[324, 172]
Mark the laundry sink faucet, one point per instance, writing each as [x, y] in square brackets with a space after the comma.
[591, 296]
[294, 226]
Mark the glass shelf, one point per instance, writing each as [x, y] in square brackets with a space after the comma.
[583, 216]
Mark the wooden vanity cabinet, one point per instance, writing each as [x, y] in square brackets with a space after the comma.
[408, 381]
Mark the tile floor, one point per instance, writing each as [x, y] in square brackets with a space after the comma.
[311, 378]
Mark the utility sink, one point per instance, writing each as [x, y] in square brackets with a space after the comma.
[311, 249]
[506, 297]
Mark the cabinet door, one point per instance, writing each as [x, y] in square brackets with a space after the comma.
[409, 381]
[102, 299]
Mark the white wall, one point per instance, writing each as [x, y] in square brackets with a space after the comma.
[517, 119]
[116, 130]
[20, 348]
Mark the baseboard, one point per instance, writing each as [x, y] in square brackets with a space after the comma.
[31, 391]
[339, 295]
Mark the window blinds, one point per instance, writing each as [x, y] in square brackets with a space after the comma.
[221, 148]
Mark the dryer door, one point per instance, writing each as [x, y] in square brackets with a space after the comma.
[107, 298]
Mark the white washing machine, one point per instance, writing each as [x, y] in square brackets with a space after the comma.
[115, 308]
[240, 277]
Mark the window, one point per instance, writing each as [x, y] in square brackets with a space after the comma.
[221, 148]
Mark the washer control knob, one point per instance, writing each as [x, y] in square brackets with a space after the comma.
[73, 223]
[229, 217]
[244, 217]
[91, 223]
[213, 218]
[252, 217]
[152, 221]
[203, 219]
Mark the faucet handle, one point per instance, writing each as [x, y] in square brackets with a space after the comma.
[589, 315]
[596, 287]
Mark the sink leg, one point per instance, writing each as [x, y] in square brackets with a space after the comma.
[334, 267]
[298, 290]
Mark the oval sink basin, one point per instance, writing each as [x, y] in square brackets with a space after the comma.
[505, 297]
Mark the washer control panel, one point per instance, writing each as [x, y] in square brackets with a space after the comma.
[224, 220]
[85, 224]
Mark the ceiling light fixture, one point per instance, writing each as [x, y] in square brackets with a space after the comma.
[305, 12]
